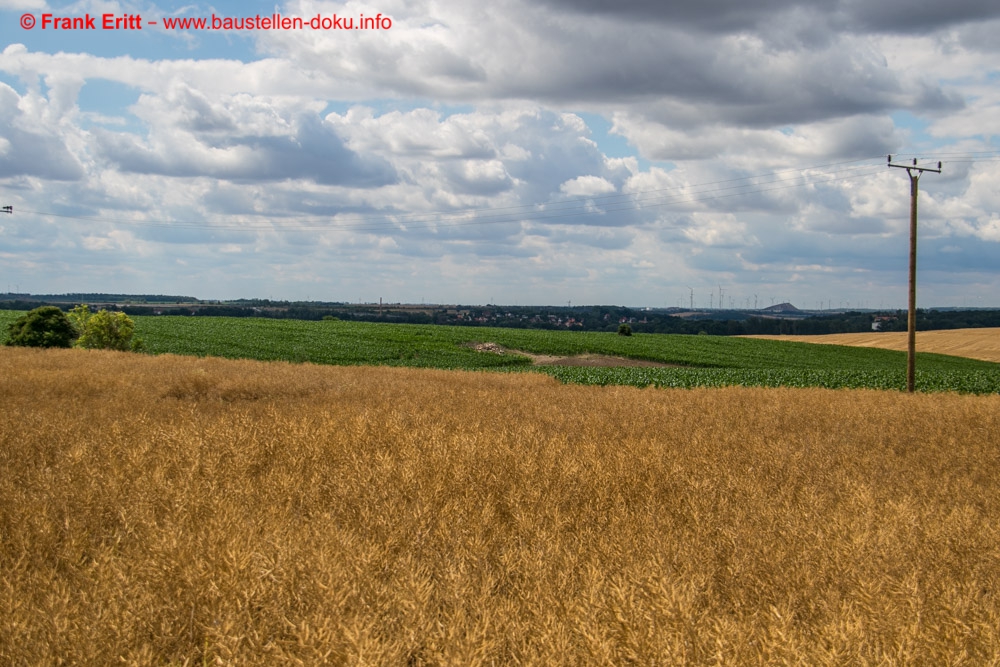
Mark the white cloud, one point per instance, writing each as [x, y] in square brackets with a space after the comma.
[719, 230]
[586, 186]
[989, 230]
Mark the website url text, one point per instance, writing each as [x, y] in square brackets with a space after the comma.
[257, 22]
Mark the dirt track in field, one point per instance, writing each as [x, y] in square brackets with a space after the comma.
[983, 344]
[592, 360]
[595, 360]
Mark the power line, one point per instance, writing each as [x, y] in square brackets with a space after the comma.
[579, 207]
[544, 211]
[388, 225]
[580, 202]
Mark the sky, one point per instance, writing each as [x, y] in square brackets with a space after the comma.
[635, 152]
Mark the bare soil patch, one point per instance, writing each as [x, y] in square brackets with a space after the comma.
[588, 359]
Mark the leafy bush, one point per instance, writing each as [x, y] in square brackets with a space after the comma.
[624, 330]
[104, 330]
[46, 326]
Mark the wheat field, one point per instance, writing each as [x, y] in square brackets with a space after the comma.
[182, 511]
[982, 344]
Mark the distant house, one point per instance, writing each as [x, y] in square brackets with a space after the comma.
[880, 320]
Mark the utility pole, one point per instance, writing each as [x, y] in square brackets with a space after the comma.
[911, 319]
[7, 209]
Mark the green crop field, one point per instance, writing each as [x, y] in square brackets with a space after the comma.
[972, 381]
[702, 360]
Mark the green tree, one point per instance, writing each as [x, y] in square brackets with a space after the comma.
[104, 330]
[624, 330]
[46, 326]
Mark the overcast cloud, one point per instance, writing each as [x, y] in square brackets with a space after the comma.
[516, 152]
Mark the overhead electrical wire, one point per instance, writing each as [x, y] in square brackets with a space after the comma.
[394, 220]
[583, 206]
[461, 214]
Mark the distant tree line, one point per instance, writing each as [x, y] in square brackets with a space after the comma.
[608, 318]
[580, 318]
[89, 297]
[928, 320]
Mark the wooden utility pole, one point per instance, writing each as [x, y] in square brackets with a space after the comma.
[911, 319]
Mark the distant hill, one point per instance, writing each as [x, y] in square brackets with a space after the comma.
[781, 308]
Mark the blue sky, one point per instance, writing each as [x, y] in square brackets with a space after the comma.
[516, 152]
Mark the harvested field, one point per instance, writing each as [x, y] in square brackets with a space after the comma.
[175, 510]
[982, 344]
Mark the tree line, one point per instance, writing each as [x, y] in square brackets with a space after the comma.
[580, 318]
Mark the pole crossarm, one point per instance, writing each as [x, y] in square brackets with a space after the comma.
[7, 209]
[914, 167]
[914, 173]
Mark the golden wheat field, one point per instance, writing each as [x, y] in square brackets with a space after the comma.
[182, 511]
[981, 344]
